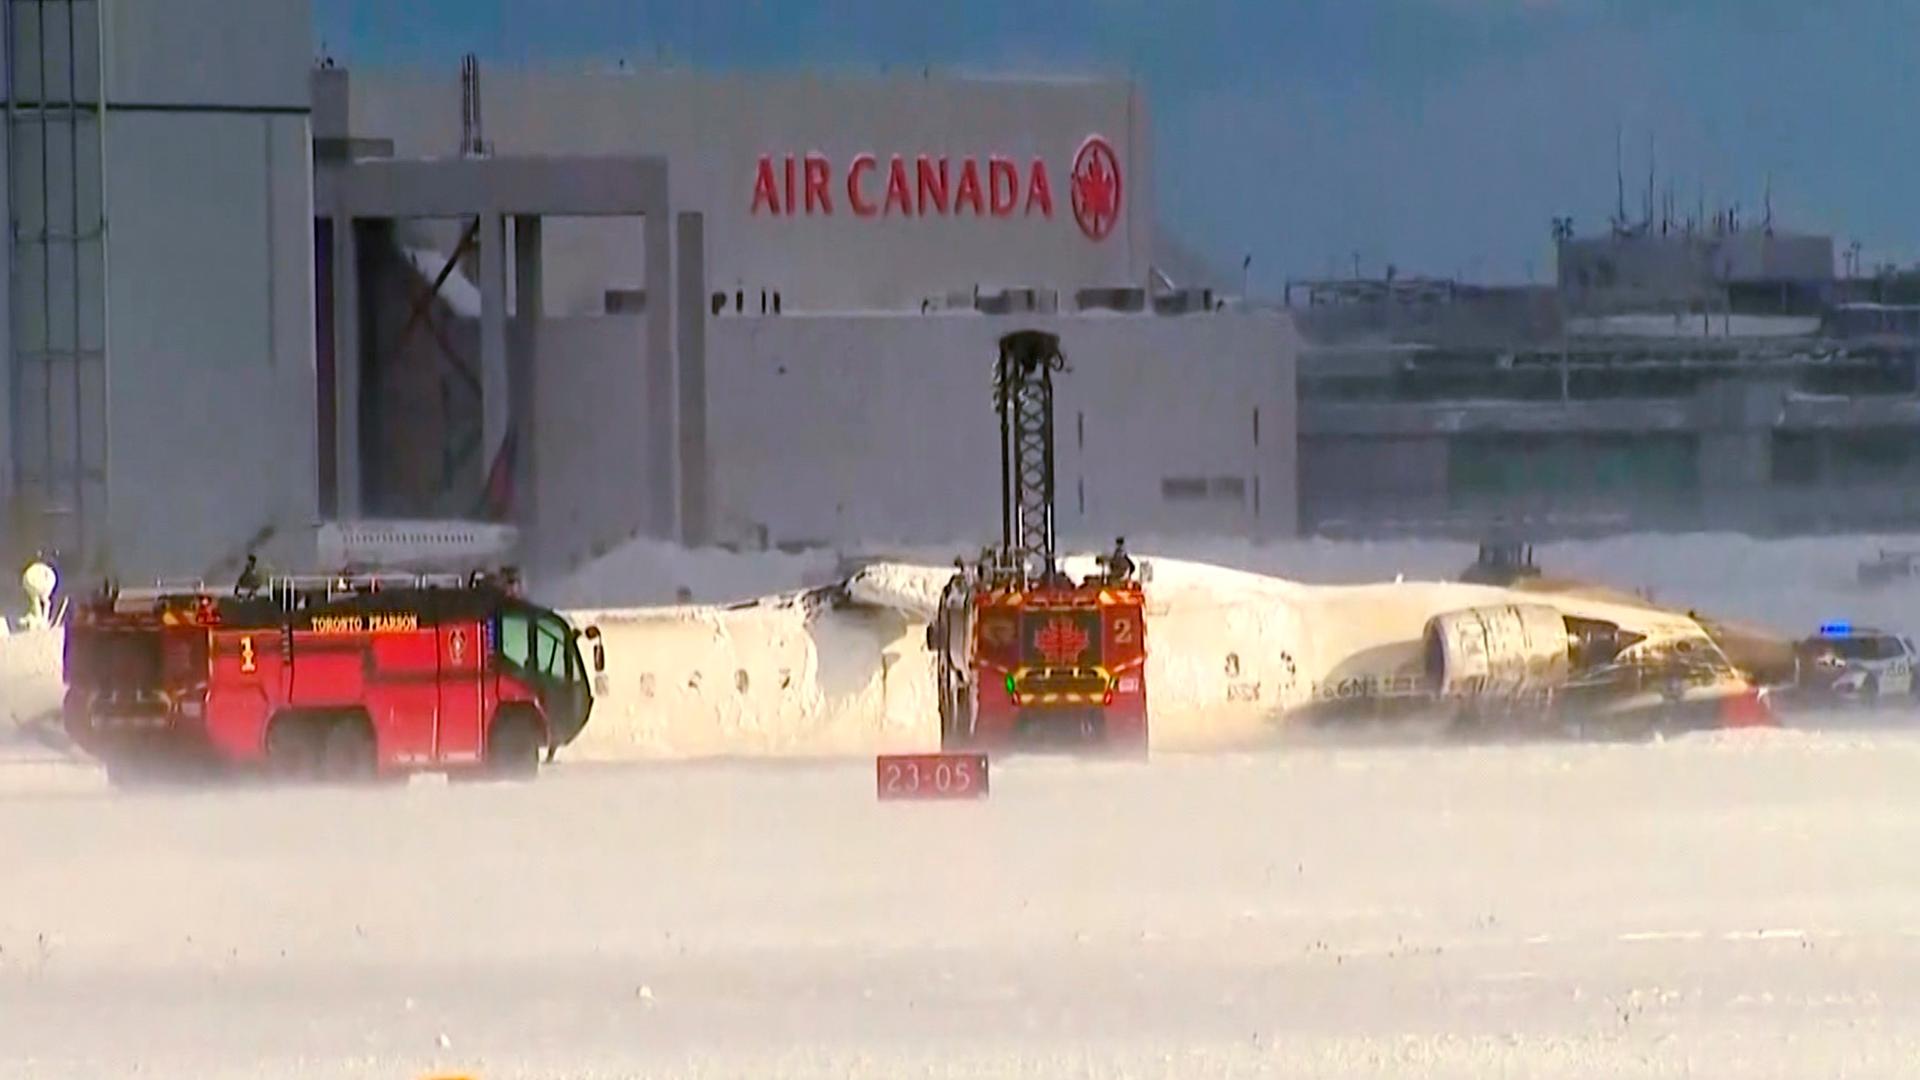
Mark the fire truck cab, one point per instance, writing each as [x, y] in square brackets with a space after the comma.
[1050, 663]
[339, 678]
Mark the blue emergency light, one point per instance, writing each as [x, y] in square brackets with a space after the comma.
[1835, 629]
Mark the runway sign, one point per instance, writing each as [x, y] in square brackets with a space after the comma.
[931, 776]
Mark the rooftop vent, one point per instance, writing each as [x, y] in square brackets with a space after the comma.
[1183, 302]
[1021, 301]
[1111, 298]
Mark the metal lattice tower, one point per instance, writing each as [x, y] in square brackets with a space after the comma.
[1023, 394]
[56, 240]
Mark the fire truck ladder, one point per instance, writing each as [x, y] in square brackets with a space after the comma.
[1023, 395]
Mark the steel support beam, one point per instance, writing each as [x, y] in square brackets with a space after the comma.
[528, 307]
[662, 446]
[690, 308]
[348, 356]
[495, 405]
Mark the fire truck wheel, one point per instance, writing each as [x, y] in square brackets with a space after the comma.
[349, 753]
[294, 745]
[513, 746]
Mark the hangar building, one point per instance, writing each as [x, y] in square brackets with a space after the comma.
[158, 315]
[762, 309]
[251, 292]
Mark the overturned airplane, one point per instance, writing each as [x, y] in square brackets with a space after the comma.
[844, 668]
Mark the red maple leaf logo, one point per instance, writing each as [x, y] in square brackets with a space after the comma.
[1060, 641]
[1096, 188]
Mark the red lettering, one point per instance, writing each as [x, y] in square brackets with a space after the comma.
[861, 207]
[999, 169]
[764, 193]
[817, 173]
[931, 184]
[803, 185]
[969, 188]
[897, 190]
[1039, 191]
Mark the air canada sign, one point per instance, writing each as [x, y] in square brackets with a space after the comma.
[940, 186]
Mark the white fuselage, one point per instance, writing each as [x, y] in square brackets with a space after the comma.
[1230, 655]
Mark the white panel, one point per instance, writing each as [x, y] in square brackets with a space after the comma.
[26, 48]
[30, 314]
[32, 413]
[205, 453]
[881, 429]
[210, 52]
[62, 271]
[66, 56]
[29, 181]
[289, 148]
[63, 393]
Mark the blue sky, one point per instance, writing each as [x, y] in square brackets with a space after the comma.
[1442, 136]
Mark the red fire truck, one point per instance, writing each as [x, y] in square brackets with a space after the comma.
[1026, 655]
[339, 678]
[1041, 665]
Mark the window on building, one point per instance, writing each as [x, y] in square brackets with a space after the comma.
[1204, 489]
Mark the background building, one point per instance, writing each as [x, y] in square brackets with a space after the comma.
[791, 344]
[250, 294]
[1676, 377]
[158, 308]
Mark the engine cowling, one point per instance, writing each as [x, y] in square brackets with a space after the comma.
[1503, 651]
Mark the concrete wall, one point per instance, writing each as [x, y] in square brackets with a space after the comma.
[881, 429]
[211, 371]
[210, 281]
[716, 128]
[590, 461]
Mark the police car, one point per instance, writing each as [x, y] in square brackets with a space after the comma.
[1857, 665]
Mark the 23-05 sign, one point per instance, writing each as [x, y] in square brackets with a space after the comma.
[931, 776]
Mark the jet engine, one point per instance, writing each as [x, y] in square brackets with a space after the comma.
[1515, 649]
[1497, 651]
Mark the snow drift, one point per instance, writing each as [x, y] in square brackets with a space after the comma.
[30, 687]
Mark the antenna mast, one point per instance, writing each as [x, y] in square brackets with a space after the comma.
[472, 141]
[1649, 203]
[1619, 184]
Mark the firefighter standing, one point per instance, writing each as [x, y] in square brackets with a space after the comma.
[249, 584]
[1119, 564]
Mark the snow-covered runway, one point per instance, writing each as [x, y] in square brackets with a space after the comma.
[1737, 904]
